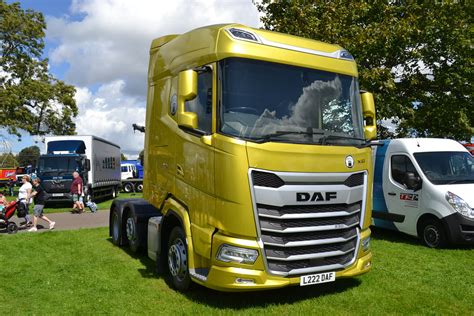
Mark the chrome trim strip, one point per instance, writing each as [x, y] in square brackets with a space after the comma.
[314, 242]
[312, 256]
[310, 228]
[310, 215]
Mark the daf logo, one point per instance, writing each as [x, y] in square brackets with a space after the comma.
[315, 196]
[349, 162]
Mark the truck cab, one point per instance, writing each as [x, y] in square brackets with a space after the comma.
[128, 171]
[55, 168]
[423, 187]
[257, 168]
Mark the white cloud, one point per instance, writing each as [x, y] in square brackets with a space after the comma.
[112, 40]
[109, 114]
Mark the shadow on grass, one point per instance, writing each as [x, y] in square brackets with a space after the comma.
[243, 300]
[287, 295]
[394, 236]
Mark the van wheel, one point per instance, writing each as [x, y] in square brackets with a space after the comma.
[115, 228]
[132, 233]
[178, 260]
[433, 234]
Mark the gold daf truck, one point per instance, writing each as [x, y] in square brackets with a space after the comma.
[257, 162]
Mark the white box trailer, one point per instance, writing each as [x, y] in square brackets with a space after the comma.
[97, 161]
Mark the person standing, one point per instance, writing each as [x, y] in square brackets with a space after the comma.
[39, 199]
[11, 185]
[77, 187]
[24, 197]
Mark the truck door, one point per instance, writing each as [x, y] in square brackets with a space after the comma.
[402, 202]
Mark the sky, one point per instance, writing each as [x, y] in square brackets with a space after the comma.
[101, 47]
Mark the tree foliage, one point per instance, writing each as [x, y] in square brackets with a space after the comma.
[28, 156]
[8, 160]
[31, 99]
[416, 57]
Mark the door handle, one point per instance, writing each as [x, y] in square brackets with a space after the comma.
[179, 171]
[392, 193]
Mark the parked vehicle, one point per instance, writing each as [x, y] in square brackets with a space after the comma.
[424, 187]
[6, 174]
[257, 166]
[132, 176]
[97, 161]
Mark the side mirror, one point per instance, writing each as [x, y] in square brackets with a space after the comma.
[187, 90]
[412, 181]
[368, 110]
[87, 164]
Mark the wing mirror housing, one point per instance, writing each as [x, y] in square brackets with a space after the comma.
[368, 110]
[412, 181]
[187, 90]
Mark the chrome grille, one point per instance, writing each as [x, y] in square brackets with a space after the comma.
[310, 236]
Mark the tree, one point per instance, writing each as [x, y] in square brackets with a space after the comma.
[8, 160]
[122, 157]
[415, 56]
[31, 98]
[28, 156]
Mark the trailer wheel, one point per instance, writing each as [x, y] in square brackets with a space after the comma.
[114, 192]
[140, 187]
[132, 233]
[116, 229]
[178, 260]
[128, 187]
[433, 234]
[12, 228]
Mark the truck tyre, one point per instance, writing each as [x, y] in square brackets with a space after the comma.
[128, 187]
[433, 234]
[140, 187]
[116, 228]
[131, 232]
[114, 192]
[178, 260]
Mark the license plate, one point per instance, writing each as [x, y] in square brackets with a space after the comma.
[318, 278]
[58, 194]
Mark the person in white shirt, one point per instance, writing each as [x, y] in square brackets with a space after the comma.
[24, 196]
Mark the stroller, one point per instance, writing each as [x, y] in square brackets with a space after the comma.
[7, 213]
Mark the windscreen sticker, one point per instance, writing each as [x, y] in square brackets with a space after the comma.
[409, 199]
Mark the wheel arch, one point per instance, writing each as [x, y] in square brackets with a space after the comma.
[422, 219]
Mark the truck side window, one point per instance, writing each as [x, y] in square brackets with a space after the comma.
[400, 166]
[202, 104]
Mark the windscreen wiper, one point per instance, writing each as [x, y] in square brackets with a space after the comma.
[460, 181]
[266, 138]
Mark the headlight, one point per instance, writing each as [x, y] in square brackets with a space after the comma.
[459, 205]
[229, 253]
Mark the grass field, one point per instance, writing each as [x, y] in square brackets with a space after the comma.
[81, 272]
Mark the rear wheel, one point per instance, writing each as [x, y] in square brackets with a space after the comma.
[140, 187]
[128, 187]
[115, 228]
[12, 228]
[132, 233]
[178, 260]
[433, 234]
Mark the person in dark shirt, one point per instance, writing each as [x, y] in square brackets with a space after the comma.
[77, 189]
[39, 198]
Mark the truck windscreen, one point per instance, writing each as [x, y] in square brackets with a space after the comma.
[263, 101]
[57, 166]
[447, 167]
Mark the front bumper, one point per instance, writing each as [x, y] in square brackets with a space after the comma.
[460, 229]
[224, 277]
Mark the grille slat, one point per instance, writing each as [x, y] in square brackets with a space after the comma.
[301, 239]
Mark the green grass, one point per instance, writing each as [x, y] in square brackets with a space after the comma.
[81, 272]
[67, 207]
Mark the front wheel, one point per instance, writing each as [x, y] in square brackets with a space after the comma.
[128, 187]
[433, 234]
[12, 228]
[178, 260]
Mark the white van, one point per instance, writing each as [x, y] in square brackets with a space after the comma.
[425, 187]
